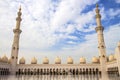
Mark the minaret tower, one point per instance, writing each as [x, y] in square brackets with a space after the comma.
[117, 53]
[101, 45]
[15, 45]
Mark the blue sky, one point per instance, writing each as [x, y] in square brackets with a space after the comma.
[59, 28]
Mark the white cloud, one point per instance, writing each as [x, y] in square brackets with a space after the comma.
[71, 42]
[72, 37]
[117, 1]
[89, 48]
[41, 19]
[112, 12]
[112, 37]
[84, 19]
[69, 10]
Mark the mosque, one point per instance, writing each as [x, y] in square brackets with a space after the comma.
[101, 65]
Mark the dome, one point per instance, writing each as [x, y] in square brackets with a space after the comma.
[82, 60]
[111, 58]
[45, 60]
[69, 60]
[22, 60]
[95, 60]
[57, 60]
[4, 59]
[34, 60]
[9, 61]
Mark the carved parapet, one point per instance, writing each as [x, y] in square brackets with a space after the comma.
[101, 46]
[18, 19]
[17, 30]
[98, 16]
[99, 28]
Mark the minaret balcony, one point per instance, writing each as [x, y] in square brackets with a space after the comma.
[98, 16]
[101, 47]
[99, 28]
[18, 19]
[17, 30]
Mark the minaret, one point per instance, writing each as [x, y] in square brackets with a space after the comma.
[117, 53]
[15, 45]
[101, 45]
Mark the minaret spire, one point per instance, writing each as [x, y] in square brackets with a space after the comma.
[117, 53]
[101, 44]
[15, 45]
[98, 16]
[18, 19]
[99, 29]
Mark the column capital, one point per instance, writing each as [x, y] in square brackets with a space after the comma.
[99, 28]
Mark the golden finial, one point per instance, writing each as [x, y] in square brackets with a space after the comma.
[20, 8]
[97, 10]
[97, 5]
[19, 13]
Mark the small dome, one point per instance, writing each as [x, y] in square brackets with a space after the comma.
[9, 61]
[57, 60]
[111, 58]
[4, 59]
[95, 60]
[45, 60]
[22, 60]
[34, 60]
[82, 60]
[69, 60]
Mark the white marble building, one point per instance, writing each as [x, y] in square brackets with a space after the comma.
[102, 64]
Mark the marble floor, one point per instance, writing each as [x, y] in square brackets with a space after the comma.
[56, 77]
